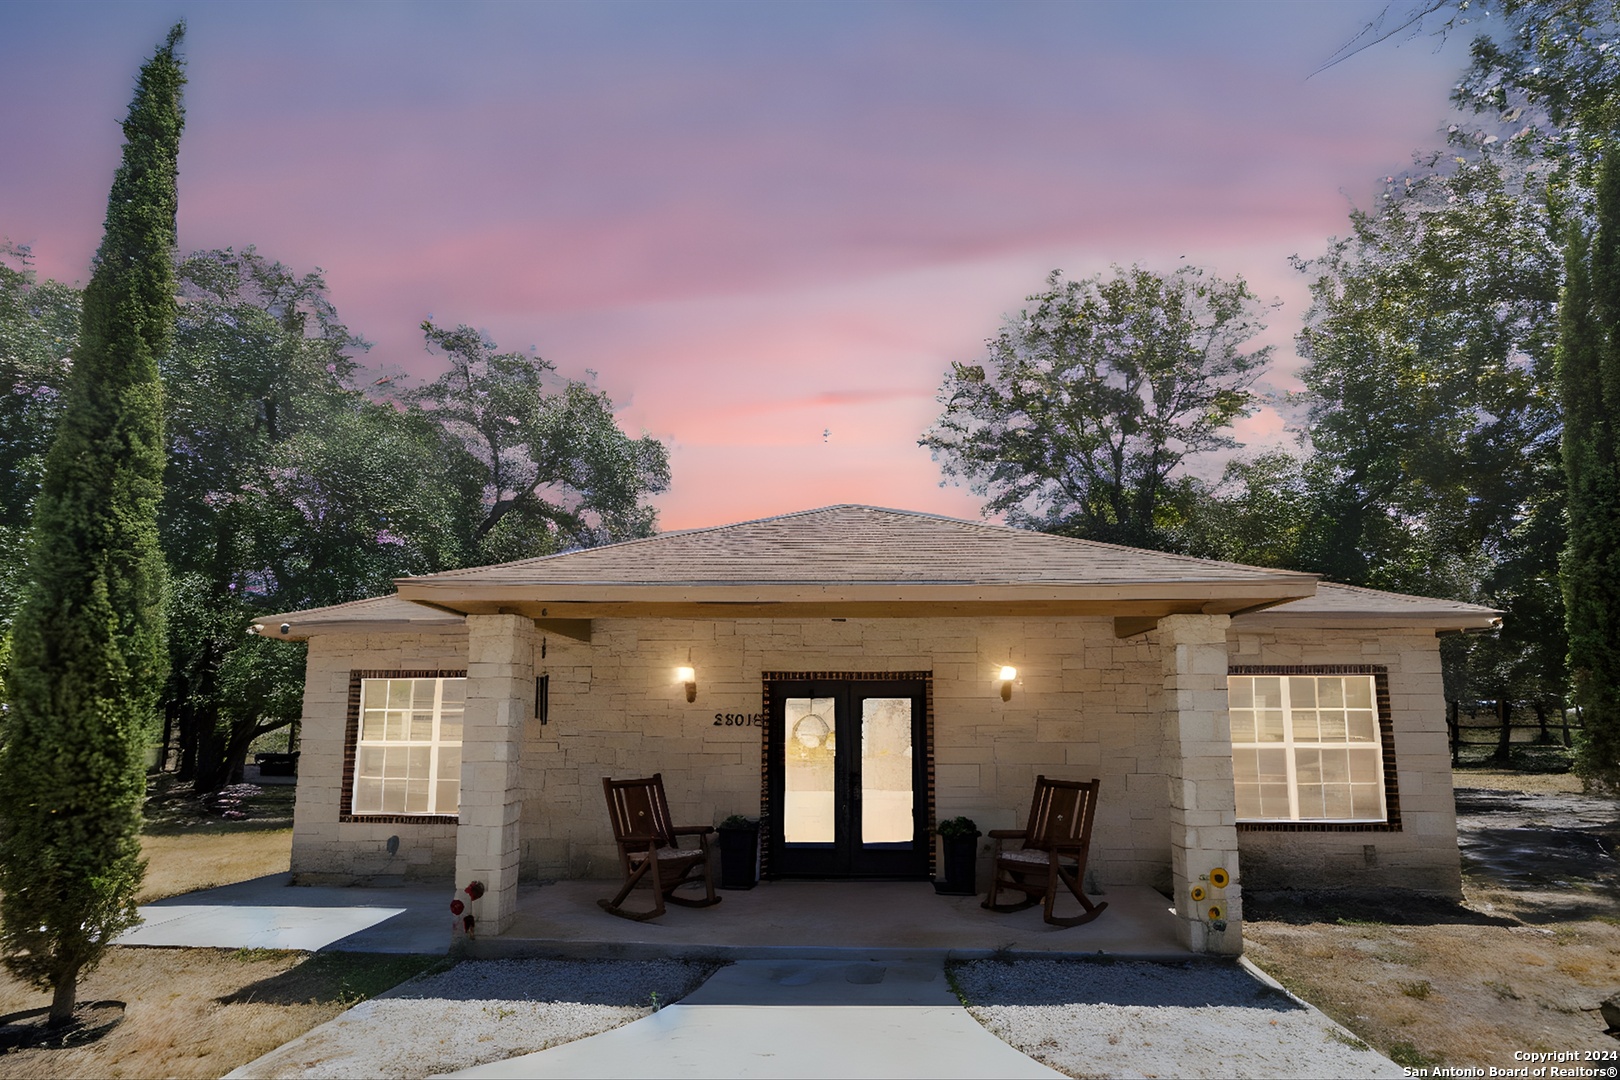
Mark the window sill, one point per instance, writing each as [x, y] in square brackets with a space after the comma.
[1318, 826]
[398, 819]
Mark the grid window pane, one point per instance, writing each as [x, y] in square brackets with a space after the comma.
[368, 796]
[1305, 726]
[1332, 724]
[1361, 725]
[1242, 725]
[1367, 800]
[1273, 766]
[408, 751]
[1306, 748]
[1269, 723]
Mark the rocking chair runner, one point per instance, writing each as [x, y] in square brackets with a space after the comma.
[649, 847]
[1056, 838]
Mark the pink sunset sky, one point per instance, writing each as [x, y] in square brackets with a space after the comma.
[768, 228]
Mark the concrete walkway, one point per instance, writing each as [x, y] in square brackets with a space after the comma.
[809, 1018]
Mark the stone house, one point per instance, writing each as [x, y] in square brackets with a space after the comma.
[853, 675]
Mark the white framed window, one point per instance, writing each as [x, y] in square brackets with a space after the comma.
[407, 752]
[1307, 748]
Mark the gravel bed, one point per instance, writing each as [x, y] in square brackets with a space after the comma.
[1085, 1018]
[1091, 1019]
[478, 1011]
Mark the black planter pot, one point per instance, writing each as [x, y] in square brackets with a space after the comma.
[739, 857]
[961, 866]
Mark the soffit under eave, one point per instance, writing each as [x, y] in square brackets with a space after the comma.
[1437, 622]
[303, 631]
[1230, 596]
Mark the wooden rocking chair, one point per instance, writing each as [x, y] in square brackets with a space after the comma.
[1056, 838]
[649, 847]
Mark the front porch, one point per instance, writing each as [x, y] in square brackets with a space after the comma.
[827, 920]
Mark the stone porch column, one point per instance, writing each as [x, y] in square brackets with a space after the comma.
[500, 695]
[1198, 765]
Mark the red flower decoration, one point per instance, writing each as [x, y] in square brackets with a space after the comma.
[467, 923]
[475, 890]
[457, 907]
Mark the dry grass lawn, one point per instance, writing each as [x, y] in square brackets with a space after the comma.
[176, 1023]
[203, 1012]
[177, 864]
[1455, 995]
[1461, 985]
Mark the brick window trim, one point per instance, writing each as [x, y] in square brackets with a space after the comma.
[768, 677]
[351, 743]
[1386, 739]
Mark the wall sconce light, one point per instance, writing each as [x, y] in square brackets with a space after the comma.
[1008, 674]
[689, 677]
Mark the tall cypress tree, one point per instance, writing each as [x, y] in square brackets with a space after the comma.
[88, 655]
[1589, 383]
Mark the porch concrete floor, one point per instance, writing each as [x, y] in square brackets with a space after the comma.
[811, 920]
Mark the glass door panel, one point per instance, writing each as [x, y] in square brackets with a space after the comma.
[808, 766]
[887, 789]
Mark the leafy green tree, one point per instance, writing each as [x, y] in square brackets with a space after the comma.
[1093, 397]
[88, 643]
[287, 487]
[1428, 352]
[1549, 90]
[1261, 512]
[553, 468]
[39, 322]
[1589, 378]
[1432, 418]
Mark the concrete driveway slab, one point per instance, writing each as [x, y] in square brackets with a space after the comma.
[218, 926]
[272, 913]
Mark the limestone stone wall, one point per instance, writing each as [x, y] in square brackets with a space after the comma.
[326, 849]
[1079, 709]
[1423, 854]
[1086, 704]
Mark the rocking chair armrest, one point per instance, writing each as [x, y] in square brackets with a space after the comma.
[639, 838]
[692, 830]
[1008, 834]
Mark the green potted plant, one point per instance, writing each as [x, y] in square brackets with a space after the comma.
[961, 841]
[739, 852]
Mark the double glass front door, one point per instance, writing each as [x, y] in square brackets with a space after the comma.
[848, 779]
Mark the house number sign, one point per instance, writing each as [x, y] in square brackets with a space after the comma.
[732, 719]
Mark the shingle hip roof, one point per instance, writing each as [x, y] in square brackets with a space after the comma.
[863, 560]
[846, 545]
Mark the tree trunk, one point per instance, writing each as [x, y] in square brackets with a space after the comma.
[1504, 737]
[64, 997]
[1541, 717]
[226, 755]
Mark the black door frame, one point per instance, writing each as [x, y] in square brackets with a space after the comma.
[845, 861]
